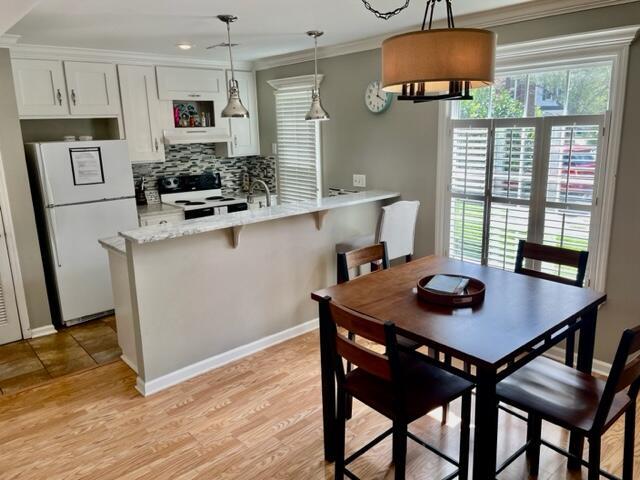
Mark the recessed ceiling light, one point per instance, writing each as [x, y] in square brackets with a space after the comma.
[184, 46]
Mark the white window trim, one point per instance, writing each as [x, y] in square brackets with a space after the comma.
[603, 45]
[302, 82]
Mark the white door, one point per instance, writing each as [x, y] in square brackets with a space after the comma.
[9, 321]
[92, 88]
[244, 131]
[141, 113]
[40, 87]
[85, 171]
[81, 264]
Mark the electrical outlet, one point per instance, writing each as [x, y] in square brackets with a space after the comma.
[359, 180]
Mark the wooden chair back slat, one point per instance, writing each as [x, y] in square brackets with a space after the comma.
[372, 254]
[359, 324]
[625, 373]
[370, 361]
[630, 374]
[381, 365]
[556, 255]
[546, 276]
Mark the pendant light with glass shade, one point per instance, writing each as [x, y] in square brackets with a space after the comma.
[234, 108]
[316, 112]
[436, 64]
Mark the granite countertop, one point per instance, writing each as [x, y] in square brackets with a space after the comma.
[157, 209]
[116, 244]
[157, 233]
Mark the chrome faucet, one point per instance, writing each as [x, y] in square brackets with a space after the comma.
[264, 186]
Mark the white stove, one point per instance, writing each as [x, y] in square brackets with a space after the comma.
[194, 195]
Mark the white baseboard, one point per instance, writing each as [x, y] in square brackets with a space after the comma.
[599, 367]
[147, 388]
[129, 363]
[43, 331]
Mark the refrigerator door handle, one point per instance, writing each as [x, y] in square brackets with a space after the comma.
[51, 218]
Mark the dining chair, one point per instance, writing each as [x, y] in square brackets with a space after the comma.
[396, 227]
[562, 257]
[579, 402]
[399, 386]
[376, 256]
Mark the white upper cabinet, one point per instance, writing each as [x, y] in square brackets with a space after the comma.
[92, 88]
[245, 139]
[179, 83]
[142, 113]
[40, 87]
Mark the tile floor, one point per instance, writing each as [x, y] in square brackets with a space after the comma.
[27, 363]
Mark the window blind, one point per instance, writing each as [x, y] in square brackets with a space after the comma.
[298, 147]
[523, 179]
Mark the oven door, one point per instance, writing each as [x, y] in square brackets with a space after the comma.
[198, 213]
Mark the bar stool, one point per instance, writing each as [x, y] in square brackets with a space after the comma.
[581, 403]
[401, 387]
[396, 227]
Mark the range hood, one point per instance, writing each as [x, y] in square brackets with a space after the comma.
[181, 136]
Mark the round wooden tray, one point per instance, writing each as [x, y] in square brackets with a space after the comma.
[474, 294]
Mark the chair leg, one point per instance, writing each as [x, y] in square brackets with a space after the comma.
[595, 445]
[340, 434]
[399, 449]
[534, 436]
[465, 432]
[349, 398]
[445, 408]
[629, 442]
[570, 349]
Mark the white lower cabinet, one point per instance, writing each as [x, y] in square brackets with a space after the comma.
[40, 87]
[142, 113]
[161, 219]
[92, 88]
[245, 139]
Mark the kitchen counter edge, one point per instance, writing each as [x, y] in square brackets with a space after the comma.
[196, 226]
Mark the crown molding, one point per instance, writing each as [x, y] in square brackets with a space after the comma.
[8, 39]
[574, 42]
[502, 16]
[46, 52]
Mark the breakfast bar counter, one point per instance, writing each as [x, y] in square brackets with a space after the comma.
[318, 207]
[196, 294]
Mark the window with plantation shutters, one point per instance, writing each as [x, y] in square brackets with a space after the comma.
[298, 147]
[518, 179]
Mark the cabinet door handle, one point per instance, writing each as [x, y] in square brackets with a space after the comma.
[162, 222]
[235, 140]
[59, 96]
[156, 144]
[194, 95]
[73, 96]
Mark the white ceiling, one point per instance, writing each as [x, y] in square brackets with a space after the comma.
[265, 27]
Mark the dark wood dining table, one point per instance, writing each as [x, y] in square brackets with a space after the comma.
[520, 318]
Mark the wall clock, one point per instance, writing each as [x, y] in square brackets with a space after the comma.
[376, 99]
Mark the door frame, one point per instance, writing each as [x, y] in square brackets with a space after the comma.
[14, 262]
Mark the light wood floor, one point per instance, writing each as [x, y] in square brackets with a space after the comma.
[259, 418]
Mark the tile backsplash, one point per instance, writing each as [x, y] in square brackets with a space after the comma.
[200, 158]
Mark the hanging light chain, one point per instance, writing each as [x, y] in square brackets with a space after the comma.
[385, 15]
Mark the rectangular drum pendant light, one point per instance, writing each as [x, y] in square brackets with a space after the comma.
[438, 64]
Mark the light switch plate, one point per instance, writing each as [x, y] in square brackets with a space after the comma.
[274, 148]
[359, 180]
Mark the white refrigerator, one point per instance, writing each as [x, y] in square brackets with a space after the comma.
[82, 192]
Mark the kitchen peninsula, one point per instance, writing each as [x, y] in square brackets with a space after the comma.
[197, 294]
